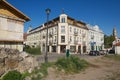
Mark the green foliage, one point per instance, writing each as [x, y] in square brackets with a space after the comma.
[108, 41]
[25, 75]
[12, 75]
[114, 57]
[33, 51]
[71, 64]
[39, 73]
[42, 72]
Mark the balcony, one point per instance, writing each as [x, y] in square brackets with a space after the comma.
[76, 33]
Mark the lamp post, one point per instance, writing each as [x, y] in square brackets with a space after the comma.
[47, 12]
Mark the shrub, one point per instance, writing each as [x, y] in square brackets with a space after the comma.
[71, 64]
[33, 51]
[12, 75]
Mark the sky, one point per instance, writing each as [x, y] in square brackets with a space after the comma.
[104, 13]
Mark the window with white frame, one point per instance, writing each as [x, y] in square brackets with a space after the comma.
[80, 31]
[74, 29]
[55, 30]
[63, 19]
[80, 39]
[55, 38]
[62, 29]
[62, 39]
[70, 38]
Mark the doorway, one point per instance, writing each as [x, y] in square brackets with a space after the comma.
[63, 48]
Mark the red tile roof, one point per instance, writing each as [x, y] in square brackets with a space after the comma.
[118, 44]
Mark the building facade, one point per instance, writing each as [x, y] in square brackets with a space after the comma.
[116, 42]
[11, 26]
[95, 38]
[64, 33]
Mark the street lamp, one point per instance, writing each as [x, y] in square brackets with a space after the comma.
[47, 12]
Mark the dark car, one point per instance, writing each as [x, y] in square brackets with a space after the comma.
[94, 53]
[111, 51]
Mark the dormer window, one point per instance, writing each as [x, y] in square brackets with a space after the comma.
[63, 19]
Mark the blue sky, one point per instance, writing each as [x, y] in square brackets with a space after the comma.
[104, 13]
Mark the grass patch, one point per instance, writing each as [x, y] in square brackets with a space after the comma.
[71, 64]
[12, 75]
[38, 74]
[33, 51]
[114, 57]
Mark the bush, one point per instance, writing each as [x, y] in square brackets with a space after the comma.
[33, 51]
[12, 75]
[71, 64]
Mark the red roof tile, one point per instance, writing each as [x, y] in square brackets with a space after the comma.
[118, 44]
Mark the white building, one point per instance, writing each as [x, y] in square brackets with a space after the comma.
[11, 26]
[116, 42]
[64, 33]
[95, 38]
[117, 48]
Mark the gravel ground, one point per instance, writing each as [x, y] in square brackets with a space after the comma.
[101, 69]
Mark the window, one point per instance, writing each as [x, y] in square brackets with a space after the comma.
[80, 39]
[55, 38]
[62, 29]
[55, 30]
[52, 30]
[62, 39]
[74, 29]
[80, 31]
[70, 38]
[63, 19]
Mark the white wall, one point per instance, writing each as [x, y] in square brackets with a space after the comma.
[117, 50]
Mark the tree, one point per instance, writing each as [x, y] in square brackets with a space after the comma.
[108, 41]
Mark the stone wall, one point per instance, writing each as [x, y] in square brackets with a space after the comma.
[12, 59]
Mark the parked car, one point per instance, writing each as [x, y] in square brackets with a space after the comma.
[94, 53]
[102, 52]
[111, 51]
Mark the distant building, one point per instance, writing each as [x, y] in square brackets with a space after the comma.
[95, 38]
[116, 42]
[64, 33]
[11, 26]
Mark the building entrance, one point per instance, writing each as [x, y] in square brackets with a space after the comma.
[79, 49]
[53, 48]
[84, 49]
[63, 48]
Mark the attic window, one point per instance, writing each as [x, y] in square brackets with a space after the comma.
[63, 19]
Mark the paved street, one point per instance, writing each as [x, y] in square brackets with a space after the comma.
[53, 57]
